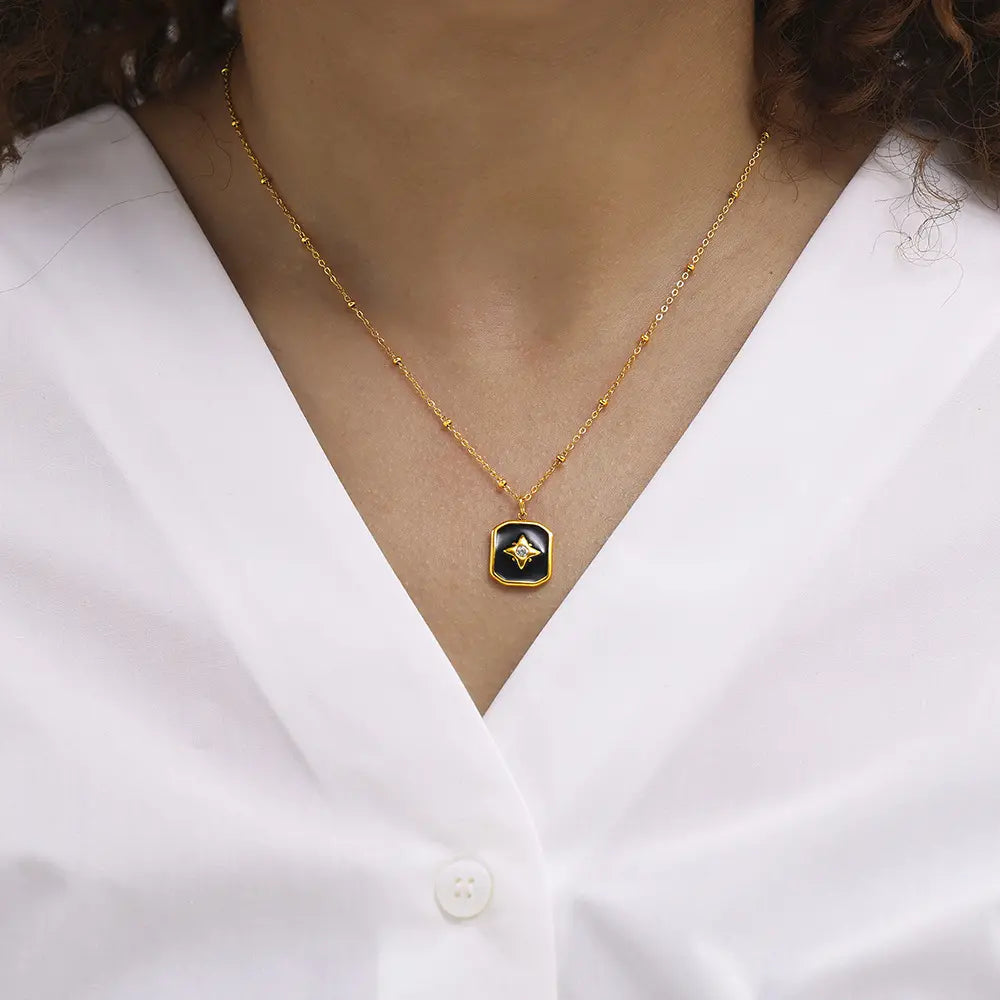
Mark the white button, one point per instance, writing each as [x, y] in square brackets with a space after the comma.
[463, 888]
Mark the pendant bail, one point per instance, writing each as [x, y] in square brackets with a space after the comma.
[522, 513]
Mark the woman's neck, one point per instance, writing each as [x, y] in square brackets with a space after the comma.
[447, 151]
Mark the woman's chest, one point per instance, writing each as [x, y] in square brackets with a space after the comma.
[752, 737]
[752, 753]
[754, 764]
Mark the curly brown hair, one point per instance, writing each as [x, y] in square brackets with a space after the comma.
[930, 66]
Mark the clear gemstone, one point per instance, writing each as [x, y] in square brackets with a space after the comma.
[521, 551]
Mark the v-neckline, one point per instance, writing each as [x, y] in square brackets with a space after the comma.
[265, 524]
[709, 584]
[589, 582]
[220, 453]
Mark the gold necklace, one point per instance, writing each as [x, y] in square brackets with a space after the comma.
[520, 550]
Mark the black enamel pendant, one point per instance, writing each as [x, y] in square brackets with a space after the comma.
[521, 553]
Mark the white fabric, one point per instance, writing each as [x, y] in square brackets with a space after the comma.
[755, 754]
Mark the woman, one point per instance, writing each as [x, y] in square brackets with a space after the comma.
[275, 536]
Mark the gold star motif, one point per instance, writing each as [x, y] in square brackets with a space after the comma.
[522, 552]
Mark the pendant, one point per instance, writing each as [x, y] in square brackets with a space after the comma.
[521, 553]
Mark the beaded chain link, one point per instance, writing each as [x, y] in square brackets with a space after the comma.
[400, 364]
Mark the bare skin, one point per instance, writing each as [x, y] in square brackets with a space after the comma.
[507, 190]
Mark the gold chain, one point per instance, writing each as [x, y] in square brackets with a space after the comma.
[397, 361]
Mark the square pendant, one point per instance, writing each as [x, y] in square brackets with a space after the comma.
[521, 553]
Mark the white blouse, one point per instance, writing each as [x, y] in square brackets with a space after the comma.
[755, 754]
